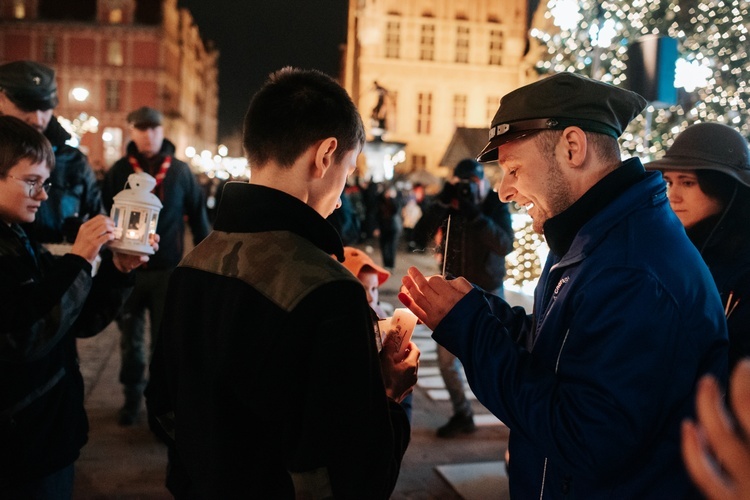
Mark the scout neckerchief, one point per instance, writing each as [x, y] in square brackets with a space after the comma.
[160, 175]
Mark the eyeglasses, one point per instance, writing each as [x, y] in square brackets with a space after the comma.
[35, 187]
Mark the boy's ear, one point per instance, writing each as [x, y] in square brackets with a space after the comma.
[324, 156]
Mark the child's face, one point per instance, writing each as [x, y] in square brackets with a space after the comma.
[19, 199]
[370, 281]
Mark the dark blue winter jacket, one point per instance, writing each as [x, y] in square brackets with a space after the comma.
[594, 385]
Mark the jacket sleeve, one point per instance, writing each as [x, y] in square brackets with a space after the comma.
[428, 224]
[195, 206]
[91, 202]
[37, 314]
[609, 371]
[108, 293]
[348, 419]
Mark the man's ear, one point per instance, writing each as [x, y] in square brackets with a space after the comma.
[574, 146]
[324, 156]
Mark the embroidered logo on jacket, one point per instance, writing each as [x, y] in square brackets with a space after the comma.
[560, 285]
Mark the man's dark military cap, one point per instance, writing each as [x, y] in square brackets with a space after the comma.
[30, 85]
[145, 117]
[559, 101]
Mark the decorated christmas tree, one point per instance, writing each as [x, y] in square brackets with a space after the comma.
[592, 38]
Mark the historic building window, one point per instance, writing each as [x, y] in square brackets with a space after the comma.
[49, 49]
[427, 43]
[112, 95]
[459, 110]
[115, 16]
[393, 40]
[114, 53]
[493, 102]
[496, 47]
[19, 9]
[418, 162]
[424, 113]
[462, 44]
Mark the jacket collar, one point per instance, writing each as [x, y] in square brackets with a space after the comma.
[167, 149]
[561, 230]
[251, 208]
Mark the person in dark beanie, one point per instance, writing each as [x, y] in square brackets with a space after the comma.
[480, 237]
[28, 91]
[181, 195]
[707, 171]
[595, 384]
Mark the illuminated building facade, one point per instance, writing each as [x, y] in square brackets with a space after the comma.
[113, 56]
[419, 69]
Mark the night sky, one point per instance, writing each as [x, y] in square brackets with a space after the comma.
[256, 37]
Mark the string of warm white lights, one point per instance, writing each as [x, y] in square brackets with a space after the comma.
[591, 38]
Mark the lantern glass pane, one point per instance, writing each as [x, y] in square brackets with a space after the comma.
[135, 227]
[152, 226]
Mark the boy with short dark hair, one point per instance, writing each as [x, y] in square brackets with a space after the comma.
[267, 370]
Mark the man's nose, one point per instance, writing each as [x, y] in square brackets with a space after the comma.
[505, 191]
[35, 119]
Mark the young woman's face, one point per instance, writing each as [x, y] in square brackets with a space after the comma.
[21, 193]
[689, 202]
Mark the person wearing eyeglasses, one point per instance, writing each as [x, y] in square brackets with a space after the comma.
[28, 91]
[46, 302]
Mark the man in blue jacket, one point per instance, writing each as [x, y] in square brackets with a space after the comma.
[595, 384]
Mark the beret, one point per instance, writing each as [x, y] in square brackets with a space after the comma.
[145, 117]
[30, 85]
[559, 101]
[708, 146]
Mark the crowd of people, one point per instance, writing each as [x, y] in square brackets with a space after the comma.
[268, 373]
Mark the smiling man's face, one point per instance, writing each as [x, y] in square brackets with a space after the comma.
[534, 179]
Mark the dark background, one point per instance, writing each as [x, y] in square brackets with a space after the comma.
[256, 37]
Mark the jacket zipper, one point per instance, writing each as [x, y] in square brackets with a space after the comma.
[557, 366]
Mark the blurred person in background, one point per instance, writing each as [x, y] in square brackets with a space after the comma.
[28, 91]
[182, 200]
[480, 237]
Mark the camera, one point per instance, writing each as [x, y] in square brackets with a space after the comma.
[467, 190]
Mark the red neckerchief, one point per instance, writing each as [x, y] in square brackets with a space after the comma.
[160, 175]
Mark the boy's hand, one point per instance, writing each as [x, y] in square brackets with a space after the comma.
[399, 375]
[92, 235]
[125, 263]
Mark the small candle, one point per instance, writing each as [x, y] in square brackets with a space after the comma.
[402, 327]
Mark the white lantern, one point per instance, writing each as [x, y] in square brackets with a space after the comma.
[135, 212]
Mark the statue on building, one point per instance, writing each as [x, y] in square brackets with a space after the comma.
[379, 112]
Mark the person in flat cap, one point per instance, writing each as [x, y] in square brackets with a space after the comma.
[595, 383]
[707, 171]
[480, 235]
[181, 196]
[28, 91]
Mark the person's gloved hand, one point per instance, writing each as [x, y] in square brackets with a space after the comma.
[448, 194]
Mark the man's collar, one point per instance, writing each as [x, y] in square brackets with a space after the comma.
[561, 230]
